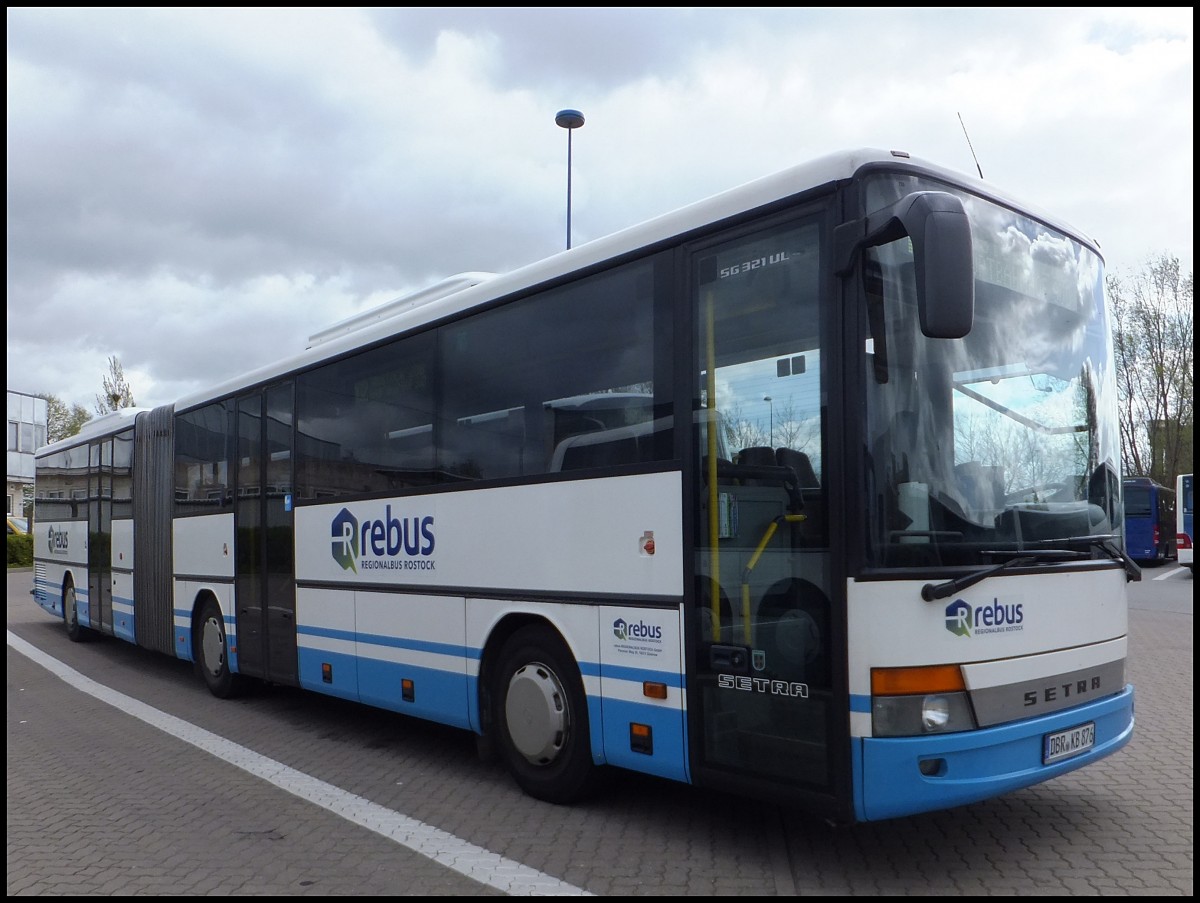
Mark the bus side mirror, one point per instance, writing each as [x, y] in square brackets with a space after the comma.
[941, 238]
[940, 231]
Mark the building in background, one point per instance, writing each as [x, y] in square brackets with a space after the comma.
[26, 434]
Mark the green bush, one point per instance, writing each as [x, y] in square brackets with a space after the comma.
[20, 550]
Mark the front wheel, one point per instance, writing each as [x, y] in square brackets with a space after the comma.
[539, 713]
[212, 653]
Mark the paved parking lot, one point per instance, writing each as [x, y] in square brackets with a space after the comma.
[134, 780]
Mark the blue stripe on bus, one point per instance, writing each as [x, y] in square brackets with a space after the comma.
[438, 695]
[637, 675]
[47, 595]
[860, 703]
[451, 697]
[977, 765]
[123, 619]
[669, 757]
[343, 672]
[391, 642]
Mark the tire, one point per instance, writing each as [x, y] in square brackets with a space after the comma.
[212, 653]
[76, 632]
[539, 715]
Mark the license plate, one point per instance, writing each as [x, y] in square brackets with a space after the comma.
[1071, 742]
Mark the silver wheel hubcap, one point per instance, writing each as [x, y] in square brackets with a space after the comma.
[537, 714]
[212, 644]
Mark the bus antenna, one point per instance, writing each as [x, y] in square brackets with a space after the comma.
[968, 137]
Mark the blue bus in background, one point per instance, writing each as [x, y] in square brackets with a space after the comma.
[1149, 520]
[1183, 519]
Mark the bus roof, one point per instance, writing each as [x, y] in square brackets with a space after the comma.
[467, 290]
[1142, 481]
[97, 427]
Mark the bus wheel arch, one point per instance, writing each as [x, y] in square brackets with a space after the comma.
[535, 711]
[210, 649]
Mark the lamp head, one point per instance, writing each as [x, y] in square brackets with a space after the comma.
[569, 119]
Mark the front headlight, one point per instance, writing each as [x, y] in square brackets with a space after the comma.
[913, 702]
[916, 716]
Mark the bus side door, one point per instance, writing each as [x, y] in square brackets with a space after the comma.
[265, 585]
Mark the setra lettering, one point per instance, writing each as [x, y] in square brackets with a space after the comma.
[1051, 694]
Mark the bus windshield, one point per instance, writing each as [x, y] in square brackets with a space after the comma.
[1002, 440]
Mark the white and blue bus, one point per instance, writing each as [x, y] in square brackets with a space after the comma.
[809, 492]
[1183, 519]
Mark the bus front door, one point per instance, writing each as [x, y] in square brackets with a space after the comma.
[265, 589]
[762, 699]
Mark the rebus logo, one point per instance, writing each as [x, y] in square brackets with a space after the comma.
[345, 540]
[388, 543]
[56, 541]
[958, 618]
[624, 630]
[962, 620]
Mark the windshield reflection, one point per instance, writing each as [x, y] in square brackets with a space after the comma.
[1005, 439]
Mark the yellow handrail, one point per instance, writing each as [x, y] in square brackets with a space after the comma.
[747, 634]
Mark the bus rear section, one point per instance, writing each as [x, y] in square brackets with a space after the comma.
[1149, 520]
[84, 537]
[1183, 519]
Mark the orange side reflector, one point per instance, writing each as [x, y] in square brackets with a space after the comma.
[641, 739]
[913, 681]
[653, 690]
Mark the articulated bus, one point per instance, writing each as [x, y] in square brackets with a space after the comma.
[1149, 521]
[1183, 519]
[808, 492]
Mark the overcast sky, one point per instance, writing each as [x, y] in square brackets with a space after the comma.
[196, 191]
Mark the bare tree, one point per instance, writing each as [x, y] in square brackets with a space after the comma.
[742, 431]
[117, 393]
[1154, 332]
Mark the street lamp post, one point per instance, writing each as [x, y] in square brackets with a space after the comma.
[569, 120]
[767, 399]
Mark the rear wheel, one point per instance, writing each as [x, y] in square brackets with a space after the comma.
[539, 715]
[76, 632]
[212, 653]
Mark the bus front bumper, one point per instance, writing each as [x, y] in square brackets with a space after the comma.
[898, 776]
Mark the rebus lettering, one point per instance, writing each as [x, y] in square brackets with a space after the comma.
[996, 614]
[391, 536]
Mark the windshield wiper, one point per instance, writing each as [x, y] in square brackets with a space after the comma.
[1106, 543]
[930, 592]
[1133, 572]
